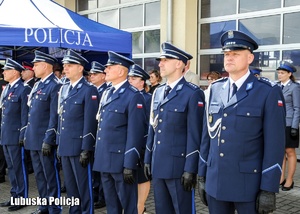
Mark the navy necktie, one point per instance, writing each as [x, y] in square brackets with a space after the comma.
[234, 89]
[70, 89]
[282, 86]
[110, 92]
[167, 91]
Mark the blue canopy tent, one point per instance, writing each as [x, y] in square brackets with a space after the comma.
[48, 26]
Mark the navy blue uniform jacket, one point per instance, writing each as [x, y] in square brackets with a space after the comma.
[175, 131]
[77, 121]
[242, 151]
[121, 130]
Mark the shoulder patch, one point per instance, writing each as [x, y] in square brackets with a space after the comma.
[161, 85]
[192, 86]
[58, 81]
[267, 81]
[223, 79]
[134, 89]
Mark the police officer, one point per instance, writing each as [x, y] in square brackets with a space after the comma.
[120, 136]
[255, 71]
[291, 94]
[137, 77]
[97, 78]
[29, 79]
[174, 136]
[243, 143]
[28, 74]
[78, 105]
[40, 135]
[3, 83]
[13, 102]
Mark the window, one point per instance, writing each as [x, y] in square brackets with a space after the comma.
[212, 8]
[291, 29]
[292, 56]
[267, 33]
[131, 17]
[255, 5]
[152, 41]
[110, 18]
[211, 33]
[152, 13]
[288, 3]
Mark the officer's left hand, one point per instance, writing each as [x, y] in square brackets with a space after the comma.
[265, 202]
[188, 180]
[46, 149]
[21, 143]
[128, 176]
[84, 158]
[294, 132]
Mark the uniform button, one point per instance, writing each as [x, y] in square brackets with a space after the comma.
[225, 115]
[101, 119]
[182, 154]
[98, 138]
[255, 170]
[175, 109]
[160, 120]
[119, 151]
[28, 123]
[116, 110]
[28, 115]
[248, 114]
[64, 110]
[222, 141]
[159, 131]
[62, 128]
[80, 136]
[63, 119]
[161, 109]
[103, 110]
[65, 102]
[158, 142]
[99, 129]
[221, 154]
[223, 127]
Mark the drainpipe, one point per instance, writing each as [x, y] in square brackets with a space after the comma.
[169, 21]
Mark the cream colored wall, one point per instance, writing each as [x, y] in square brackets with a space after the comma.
[184, 29]
[70, 4]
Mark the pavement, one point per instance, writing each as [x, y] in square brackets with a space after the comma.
[286, 202]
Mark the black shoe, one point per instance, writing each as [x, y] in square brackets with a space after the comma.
[15, 207]
[288, 188]
[38, 211]
[5, 204]
[282, 183]
[99, 204]
[63, 189]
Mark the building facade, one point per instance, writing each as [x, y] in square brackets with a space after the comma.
[196, 26]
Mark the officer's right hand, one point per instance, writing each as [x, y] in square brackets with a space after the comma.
[21, 143]
[201, 189]
[265, 202]
[147, 171]
[128, 176]
[46, 149]
[294, 132]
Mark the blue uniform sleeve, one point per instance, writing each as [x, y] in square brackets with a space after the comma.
[136, 130]
[90, 122]
[50, 135]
